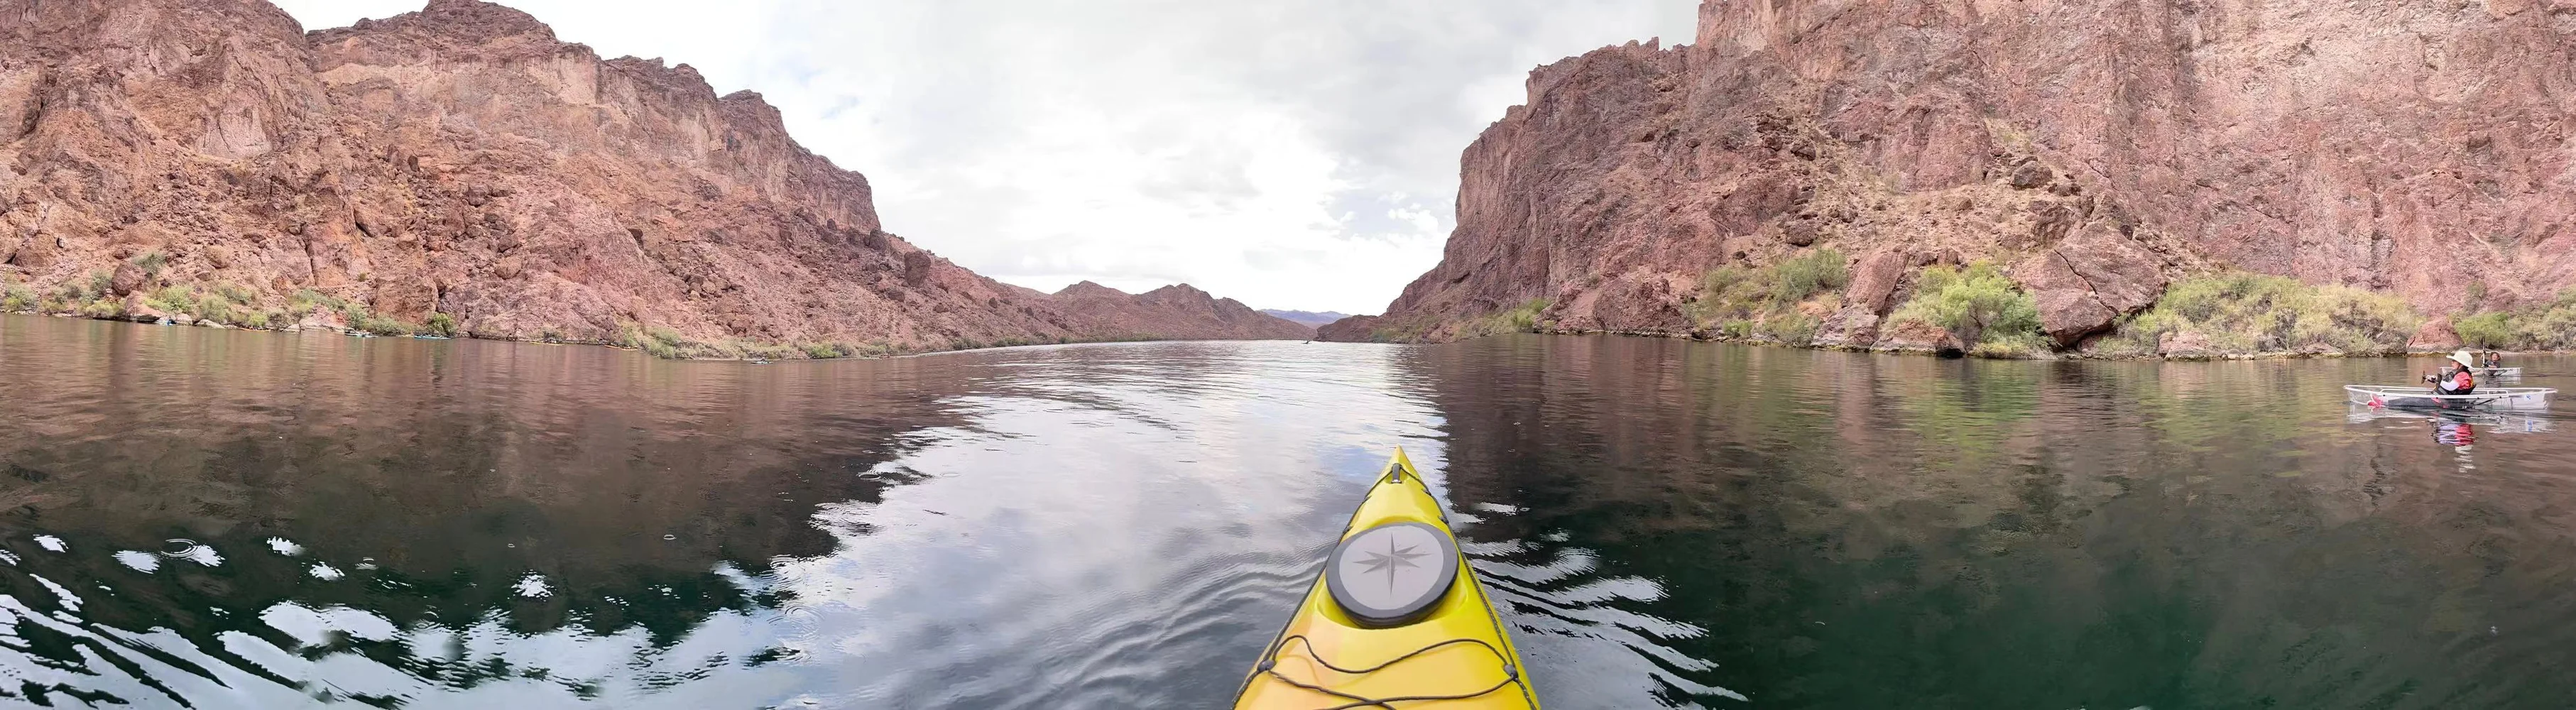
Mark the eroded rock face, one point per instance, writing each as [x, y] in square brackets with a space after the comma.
[2435, 336]
[462, 160]
[2203, 134]
[2086, 283]
[1874, 281]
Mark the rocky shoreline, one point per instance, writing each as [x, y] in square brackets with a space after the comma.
[645, 342]
[1926, 351]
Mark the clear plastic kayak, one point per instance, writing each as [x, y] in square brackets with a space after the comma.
[2490, 398]
[2509, 422]
[2487, 372]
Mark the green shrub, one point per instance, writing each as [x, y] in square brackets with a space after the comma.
[666, 336]
[261, 319]
[2555, 327]
[379, 325]
[669, 344]
[2492, 330]
[1791, 327]
[1798, 277]
[657, 348]
[1523, 319]
[657, 341]
[1729, 293]
[100, 284]
[305, 301]
[237, 293]
[824, 351]
[2542, 326]
[1745, 302]
[172, 299]
[441, 324]
[2024, 345]
[17, 298]
[1978, 305]
[1518, 319]
[2243, 312]
[151, 262]
[178, 299]
[216, 309]
[1722, 292]
[103, 308]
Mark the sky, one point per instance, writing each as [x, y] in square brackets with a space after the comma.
[1286, 153]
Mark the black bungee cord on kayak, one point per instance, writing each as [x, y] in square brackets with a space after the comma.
[1402, 590]
[1269, 665]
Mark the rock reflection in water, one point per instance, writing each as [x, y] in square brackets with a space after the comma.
[378, 521]
[1846, 530]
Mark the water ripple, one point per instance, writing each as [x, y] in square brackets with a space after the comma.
[1664, 524]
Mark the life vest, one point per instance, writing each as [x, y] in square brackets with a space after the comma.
[2461, 382]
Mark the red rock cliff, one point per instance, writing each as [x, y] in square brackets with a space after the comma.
[2097, 148]
[460, 161]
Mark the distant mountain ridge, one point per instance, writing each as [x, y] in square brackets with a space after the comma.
[461, 170]
[1175, 312]
[1308, 318]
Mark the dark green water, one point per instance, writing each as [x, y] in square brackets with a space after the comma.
[219, 519]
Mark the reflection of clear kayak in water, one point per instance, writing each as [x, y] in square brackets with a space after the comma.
[2506, 422]
[1396, 619]
[2423, 397]
[2451, 433]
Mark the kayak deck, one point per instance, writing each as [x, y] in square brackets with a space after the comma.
[2425, 398]
[1455, 657]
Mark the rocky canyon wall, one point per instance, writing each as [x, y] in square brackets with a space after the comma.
[458, 163]
[2095, 150]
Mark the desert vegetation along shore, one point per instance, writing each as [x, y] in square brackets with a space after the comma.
[1975, 309]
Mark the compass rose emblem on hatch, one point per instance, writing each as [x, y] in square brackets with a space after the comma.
[1393, 573]
[1393, 559]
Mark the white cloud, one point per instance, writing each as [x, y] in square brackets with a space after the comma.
[1287, 154]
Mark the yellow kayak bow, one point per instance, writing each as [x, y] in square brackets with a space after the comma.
[1396, 620]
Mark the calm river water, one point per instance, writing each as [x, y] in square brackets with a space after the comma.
[218, 519]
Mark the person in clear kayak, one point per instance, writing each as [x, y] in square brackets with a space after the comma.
[2492, 359]
[2455, 377]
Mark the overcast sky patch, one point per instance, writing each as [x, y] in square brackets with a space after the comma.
[1287, 154]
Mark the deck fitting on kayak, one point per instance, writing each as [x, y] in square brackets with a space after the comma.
[1395, 619]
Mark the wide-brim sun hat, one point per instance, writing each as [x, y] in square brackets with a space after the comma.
[2462, 357]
